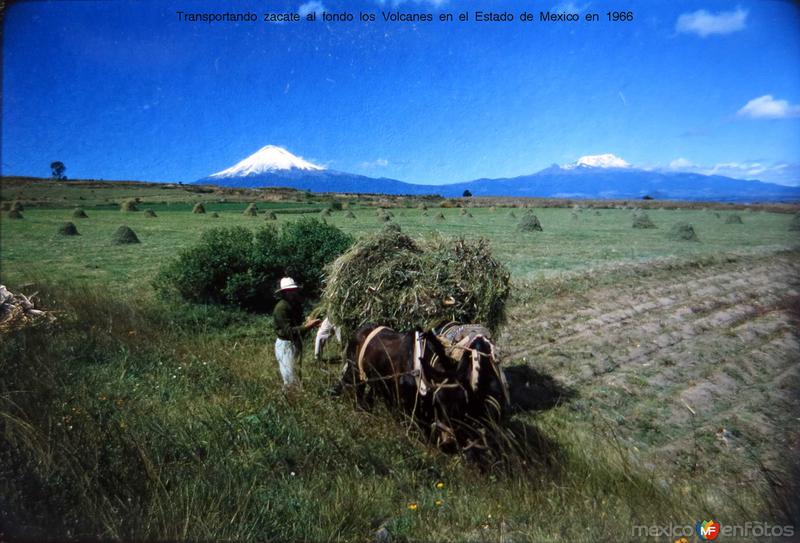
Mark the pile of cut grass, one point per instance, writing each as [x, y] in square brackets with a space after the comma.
[733, 219]
[129, 206]
[683, 231]
[529, 223]
[150, 214]
[251, 210]
[391, 279]
[79, 213]
[642, 220]
[124, 236]
[199, 208]
[271, 216]
[68, 229]
[14, 214]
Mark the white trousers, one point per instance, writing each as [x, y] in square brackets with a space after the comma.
[288, 356]
[326, 329]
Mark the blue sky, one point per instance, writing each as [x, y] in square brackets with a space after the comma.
[124, 90]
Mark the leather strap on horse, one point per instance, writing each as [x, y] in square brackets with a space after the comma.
[361, 373]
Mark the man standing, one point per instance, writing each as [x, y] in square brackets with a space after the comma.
[290, 328]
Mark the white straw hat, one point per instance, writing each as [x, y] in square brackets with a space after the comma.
[287, 283]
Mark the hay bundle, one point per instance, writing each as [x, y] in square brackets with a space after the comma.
[794, 226]
[14, 214]
[271, 216]
[68, 229]
[79, 213]
[124, 236]
[16, 206]
[325, 212]
[388, 278]
[512, 214]
[392, 227]
[349, 215]
[574, 216]
[469, 215]
[251, 211]
[641, 220]
[464, 211]
[129, 206]
[492, 209]
[733, 219]
[150, 214]
[529, 223]
[17, 310]
[597, 213]
[717, 215]
[199, 208]
[384, 218]
[440, 216]
[683, 231]
[423, 207]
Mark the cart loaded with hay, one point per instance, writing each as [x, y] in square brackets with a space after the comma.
[420, 315]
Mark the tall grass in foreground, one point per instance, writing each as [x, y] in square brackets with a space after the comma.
[129, 419]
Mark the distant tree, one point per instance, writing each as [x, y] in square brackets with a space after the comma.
[648, 197]
[57, 168]
[467, 194]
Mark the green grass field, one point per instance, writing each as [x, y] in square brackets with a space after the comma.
[137, 419]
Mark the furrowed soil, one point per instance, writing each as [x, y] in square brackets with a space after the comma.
[695, 370]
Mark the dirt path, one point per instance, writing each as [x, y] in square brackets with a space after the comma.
[697, 368]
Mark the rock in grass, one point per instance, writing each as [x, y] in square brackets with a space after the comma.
[641, 220]
[271, 216]
[683, 231]
[79, 213]
[14, 214]
[529, 223]
[251, 210]
[68, 229]
[124, 236]
[150, 214]
[199, 208]
[129, 206]
[392, 279]
[733, 219]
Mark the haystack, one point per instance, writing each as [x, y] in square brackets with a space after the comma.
[512, 214]
[124, 235]
[251, 210]
[641, 220]
[129, 206]
[325, 212]
[349, 215]
[150, 214]
[440, 216]
[214, 215]
[79, 213]
[199, 208]
[68, 229]
[390, 279]
[597, 213]
[733, 219]
[574, 216]
[392, 227]
[464, 211]
[529, 223]
[14, 214]
[423, 207]
[794, 226]
[683, 231]
[16, 206]
[271, 216]
[384, 218]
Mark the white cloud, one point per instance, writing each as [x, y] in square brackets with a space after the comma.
[782, 173]
[313, 6]
[704, 24]
[377, 163]
[767, 107]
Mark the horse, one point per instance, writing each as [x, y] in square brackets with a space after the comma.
[410, 370]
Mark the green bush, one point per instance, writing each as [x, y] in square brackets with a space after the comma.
[234, 266]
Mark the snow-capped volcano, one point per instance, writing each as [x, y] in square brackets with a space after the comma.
[268, 159]
[607, 160]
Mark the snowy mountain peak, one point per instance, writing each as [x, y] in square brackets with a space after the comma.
[270, 158]
[607, 160]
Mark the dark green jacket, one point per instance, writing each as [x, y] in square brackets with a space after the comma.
[288, 319]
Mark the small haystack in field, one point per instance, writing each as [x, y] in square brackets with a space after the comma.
[349, 215]
[129, 206]
[16, 205]
[512, 214]
[68, 229]
[642, 220]
[214, 215]
[271, 216]
[733, 219]
[464, 211]
[597, 213]
[574, 216]
[199, 208]
[384, 218]
[251, 210]
[79, 213]
[392, 227]
[529, 223]
[440, 216]
[14, 214]
[392, 279]
[150, 214]
[422, 207]
[683, 231]
[325, 212]
[124, 236]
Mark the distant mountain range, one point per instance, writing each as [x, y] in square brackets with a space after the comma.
[598, 177]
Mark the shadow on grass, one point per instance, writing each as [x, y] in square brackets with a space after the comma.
[531, 390]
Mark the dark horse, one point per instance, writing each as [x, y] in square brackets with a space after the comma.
[415, 371]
